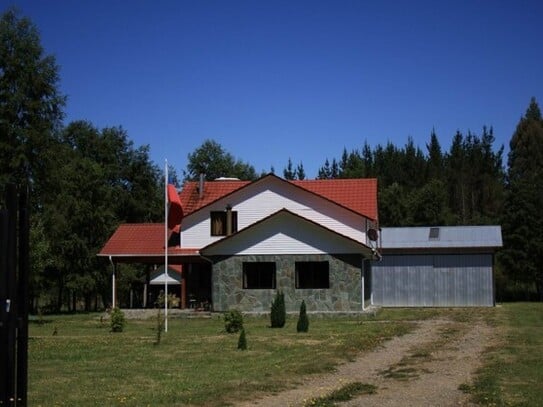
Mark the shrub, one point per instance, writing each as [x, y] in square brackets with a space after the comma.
[278, 313]
[233, 321]
[117, 320]
[303, 322]
[242, 341]
[159, 326]
[173, 300]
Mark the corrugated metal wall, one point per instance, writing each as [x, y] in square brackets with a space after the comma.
[433, 280]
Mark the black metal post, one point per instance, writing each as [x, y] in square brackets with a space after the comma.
[22, 300]
[4, 331]
[14, 269]
[11, 285]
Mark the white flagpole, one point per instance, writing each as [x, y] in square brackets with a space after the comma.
[166, 247]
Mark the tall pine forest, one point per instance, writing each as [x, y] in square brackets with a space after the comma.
[86, 181]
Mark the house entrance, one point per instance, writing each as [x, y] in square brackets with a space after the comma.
[198, 291]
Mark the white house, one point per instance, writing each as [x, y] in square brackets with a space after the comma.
[240, 242]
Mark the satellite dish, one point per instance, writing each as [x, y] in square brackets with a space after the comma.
[373, 235]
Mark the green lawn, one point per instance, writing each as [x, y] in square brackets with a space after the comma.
[513, 371]
[197, 363]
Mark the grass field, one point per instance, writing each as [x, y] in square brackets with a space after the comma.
[74, 360]
[196, 362]
[513, 371]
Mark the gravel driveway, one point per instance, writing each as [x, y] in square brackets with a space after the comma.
[422, 368]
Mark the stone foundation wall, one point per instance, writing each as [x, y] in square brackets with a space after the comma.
[344, 294]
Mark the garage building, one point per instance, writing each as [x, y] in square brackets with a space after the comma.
[448, 266]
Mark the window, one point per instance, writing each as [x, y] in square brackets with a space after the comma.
[312, 274]
[218, 223]
[259, 275]
[434, 234]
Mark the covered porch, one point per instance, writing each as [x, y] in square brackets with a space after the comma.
[188, 276]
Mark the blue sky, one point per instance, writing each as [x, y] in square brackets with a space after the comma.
[299, 79]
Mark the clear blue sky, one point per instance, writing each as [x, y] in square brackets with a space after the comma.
[270, 80]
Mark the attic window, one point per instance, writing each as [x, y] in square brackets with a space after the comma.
[218, 223]
[434, 234]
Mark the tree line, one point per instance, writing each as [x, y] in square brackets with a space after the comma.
[85, 181]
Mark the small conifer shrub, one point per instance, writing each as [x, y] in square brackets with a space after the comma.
[159, 326]
[242, 341]
[278, 313]
[117, 320]
[303, 321]
[233, 321]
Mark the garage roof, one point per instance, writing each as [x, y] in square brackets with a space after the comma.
[441, 237]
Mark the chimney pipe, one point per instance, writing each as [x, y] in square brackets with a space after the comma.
[201, 186]
[228, 220]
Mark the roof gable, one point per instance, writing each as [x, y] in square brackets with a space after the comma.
[285, 223]
[357, 195]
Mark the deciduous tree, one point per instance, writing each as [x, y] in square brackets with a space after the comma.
[212, 160]
[31, 104]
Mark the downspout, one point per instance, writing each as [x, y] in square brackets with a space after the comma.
[362, 283]
[113, 288]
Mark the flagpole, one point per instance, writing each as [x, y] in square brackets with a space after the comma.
[166, 247]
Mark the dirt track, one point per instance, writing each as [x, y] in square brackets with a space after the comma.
[423, 368]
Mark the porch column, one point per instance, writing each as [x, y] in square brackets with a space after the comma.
[183, 288]
[145, 295]
[113, 287]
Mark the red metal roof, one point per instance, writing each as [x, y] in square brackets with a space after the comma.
[213, 190]
[140, 240]
[358, 195]
[146, 240]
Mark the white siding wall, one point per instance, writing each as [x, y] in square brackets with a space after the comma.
[260, 200]
[285, 234]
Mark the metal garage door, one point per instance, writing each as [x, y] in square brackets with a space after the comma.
[449, 280]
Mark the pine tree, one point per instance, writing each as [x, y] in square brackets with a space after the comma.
[278, 313]
[334, 170]
[325, 171]
[242, 341]
[300, 172]
[289, 173]
[522, 221]
[435, 158]
[303, 321]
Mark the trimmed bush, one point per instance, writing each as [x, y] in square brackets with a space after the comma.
[242, 341]
[233, 321]
[278, 313]
[303, 321]
[117, 320]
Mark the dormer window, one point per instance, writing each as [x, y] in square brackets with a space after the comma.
[219, 222]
